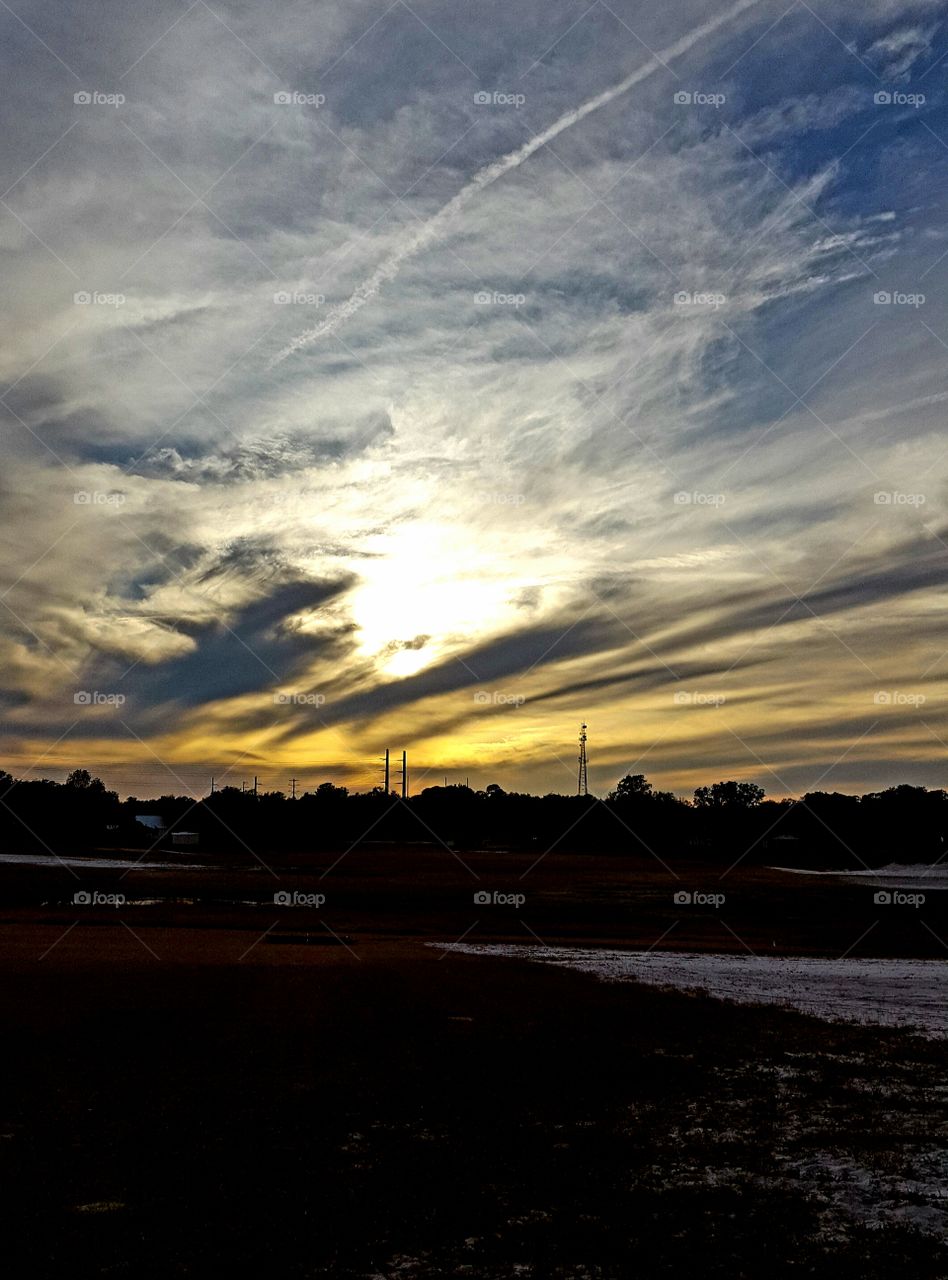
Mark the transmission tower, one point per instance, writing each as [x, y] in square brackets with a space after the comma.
[582, 788]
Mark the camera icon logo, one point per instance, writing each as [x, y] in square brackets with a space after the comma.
[883, 898]
[282, 98]
[482, 99]
[682, 499]
[281, 298]
[882, 98]
[882, 698]
[82, 898]
[682, 898]
[82, 98]
[481, 898]
[82, 699]
[282, 898]
[882, 297]
[82, 298]
[682, 98]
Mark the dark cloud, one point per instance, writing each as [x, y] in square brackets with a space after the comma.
[257, 649]
[644, 679]
[497, 662]
[262, 459]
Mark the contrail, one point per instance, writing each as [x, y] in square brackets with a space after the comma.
[437, 223]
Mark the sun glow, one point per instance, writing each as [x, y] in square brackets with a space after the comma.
[429, 591]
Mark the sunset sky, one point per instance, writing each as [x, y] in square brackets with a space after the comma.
[374, 377]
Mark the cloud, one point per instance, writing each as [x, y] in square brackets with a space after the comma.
[265, 459]
[630, 403]
[260, 647]
[897, 52]
[436, 226]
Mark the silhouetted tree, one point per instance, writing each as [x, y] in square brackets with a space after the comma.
[729, 795]
[901, 823]
[632, 786]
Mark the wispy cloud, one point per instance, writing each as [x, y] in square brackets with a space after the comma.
[626, 420]
[436, 226]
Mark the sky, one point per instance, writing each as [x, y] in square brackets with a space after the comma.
[438, 377]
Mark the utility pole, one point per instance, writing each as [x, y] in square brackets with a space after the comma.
[386, 772]
[293, 782]
[404, 775]
[212, 786]
[255, 786]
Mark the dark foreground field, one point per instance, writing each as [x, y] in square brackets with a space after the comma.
[209, 1099]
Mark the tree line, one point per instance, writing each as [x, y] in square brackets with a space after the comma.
[723, 820]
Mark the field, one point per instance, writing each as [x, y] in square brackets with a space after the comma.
[200, 1081]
